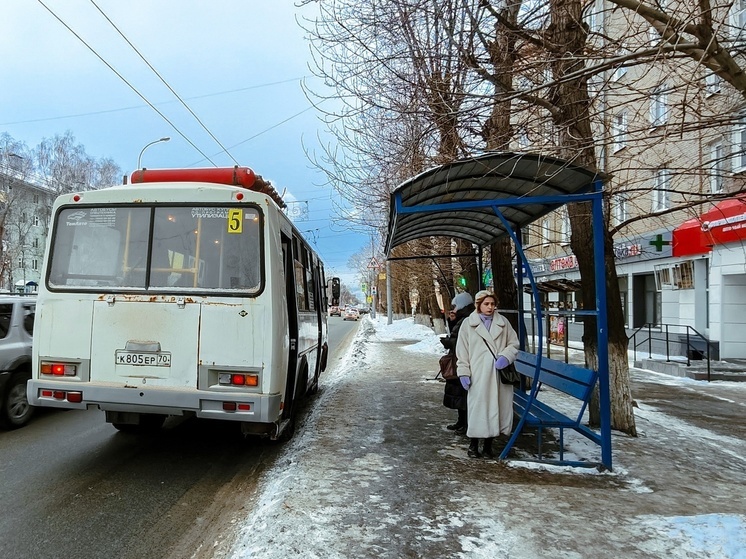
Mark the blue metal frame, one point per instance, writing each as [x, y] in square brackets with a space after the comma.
[595, 196]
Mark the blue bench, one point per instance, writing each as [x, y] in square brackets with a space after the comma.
[572, 380]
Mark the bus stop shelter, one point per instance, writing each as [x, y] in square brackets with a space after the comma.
[486, 197]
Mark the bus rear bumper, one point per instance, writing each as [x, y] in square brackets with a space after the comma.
[230, 406]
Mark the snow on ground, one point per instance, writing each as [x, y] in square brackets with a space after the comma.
[716, 536]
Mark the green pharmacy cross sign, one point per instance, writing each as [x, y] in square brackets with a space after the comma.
[659, 243]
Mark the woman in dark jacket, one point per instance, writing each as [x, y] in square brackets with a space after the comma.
[455, 396]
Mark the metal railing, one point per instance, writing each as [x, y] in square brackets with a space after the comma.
[685, 335]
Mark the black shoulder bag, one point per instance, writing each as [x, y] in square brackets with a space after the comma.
[508, 375]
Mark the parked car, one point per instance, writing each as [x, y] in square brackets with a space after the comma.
[351, 313]
[16, 334]
[334, 311]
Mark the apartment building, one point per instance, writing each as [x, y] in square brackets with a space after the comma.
[25, 208]
[672, 137]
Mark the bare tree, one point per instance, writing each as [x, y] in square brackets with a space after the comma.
[548, 78]
[30, 179]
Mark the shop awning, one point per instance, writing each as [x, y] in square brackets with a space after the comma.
[528, 184]
[725, 223]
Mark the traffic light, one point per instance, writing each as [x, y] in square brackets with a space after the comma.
[461, 282]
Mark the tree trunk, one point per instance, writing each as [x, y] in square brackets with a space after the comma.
[503, 278]
[571, 119]
[469, 270]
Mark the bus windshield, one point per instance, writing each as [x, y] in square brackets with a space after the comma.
[159, 248]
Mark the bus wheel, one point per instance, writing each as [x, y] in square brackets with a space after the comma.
[149, 423]
[288, 431]
[314, 387]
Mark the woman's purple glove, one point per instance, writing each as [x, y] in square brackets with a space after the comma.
[465, 382]
[501, 362]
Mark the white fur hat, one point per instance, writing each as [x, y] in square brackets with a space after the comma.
[462, 300]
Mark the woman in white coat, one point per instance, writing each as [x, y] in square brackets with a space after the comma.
[486, 342]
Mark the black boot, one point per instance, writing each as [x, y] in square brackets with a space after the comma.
[460, 424]
[473, 451]
[487, 450]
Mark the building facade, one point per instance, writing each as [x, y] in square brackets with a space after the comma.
[25, 210]
[671, 135]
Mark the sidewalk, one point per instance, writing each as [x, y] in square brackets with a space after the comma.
[373, 472]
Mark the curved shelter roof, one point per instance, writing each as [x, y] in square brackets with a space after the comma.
[456, 200]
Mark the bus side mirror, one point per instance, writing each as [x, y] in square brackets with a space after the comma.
[335, 292]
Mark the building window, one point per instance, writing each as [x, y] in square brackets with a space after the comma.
[738, 19]
[675, 276]
[564, 227]
[523, 140]
[526, 236]
[594, 15]
[620, 211]
[36, 243]
[653, 36]
[716, 168]
[36, 198]
[661, 190]
[659, 106]
[712, 83]
[619, 131]
[621, 69]
[35, 264]
[738, 149]
[36, 221]
[545, 231]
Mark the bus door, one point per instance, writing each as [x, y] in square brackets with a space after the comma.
[292, 309]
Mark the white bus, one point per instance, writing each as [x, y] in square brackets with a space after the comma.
[188, 293]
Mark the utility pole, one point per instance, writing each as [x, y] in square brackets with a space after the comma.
[389, 309]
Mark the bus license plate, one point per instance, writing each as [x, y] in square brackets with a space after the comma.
[142, 359]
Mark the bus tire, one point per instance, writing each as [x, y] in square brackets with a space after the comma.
[288, 431]
[149, 423]
[324, 357]
[300, 392]
[314, 387]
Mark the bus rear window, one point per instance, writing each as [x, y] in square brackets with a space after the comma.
[157, 248]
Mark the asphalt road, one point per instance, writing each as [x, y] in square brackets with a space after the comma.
[73, 486]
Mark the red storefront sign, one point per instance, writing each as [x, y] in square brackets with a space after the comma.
[725, 223]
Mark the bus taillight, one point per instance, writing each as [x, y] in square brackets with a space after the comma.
[233, 406]
[58, 369]
[239, 379]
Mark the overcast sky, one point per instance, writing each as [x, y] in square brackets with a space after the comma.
[238, 65]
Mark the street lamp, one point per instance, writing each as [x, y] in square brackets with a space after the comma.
[139, 157]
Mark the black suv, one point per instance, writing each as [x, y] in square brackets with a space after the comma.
[16, 334]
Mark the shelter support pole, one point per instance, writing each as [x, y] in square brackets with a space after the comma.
[519, 280]
[602, 324]
[389, 305]
[480, 267]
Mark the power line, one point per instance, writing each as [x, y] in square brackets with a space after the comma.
[94, 113]
[171, 89]
[133, 88]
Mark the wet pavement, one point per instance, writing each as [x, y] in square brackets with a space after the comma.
[374, 472]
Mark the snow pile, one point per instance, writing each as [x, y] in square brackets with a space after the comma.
[424, 339]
